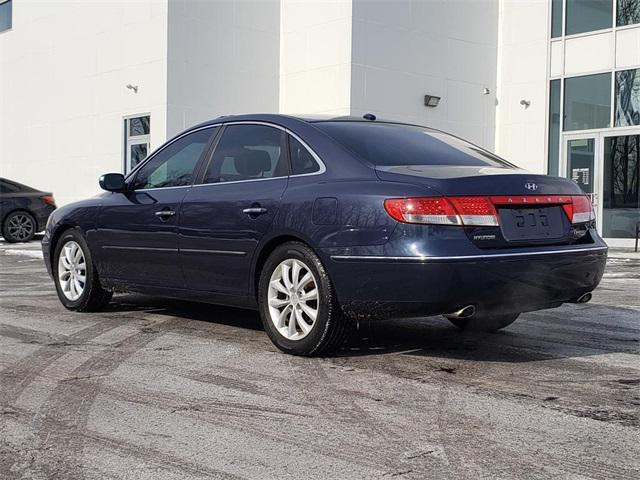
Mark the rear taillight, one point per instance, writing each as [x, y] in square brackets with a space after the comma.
[432, 210]
[476, 211]
[48, 199]
[481, 210]
[582, 209]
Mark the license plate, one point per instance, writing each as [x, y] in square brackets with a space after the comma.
[531, 223]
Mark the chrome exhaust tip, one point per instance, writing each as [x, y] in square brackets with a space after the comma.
[584, 298]
[464, 312]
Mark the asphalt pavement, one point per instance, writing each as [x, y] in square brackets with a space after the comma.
[162, 389]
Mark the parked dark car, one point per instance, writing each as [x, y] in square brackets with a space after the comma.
[317, 222]
[23, 210]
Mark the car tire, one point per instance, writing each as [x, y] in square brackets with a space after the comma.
[75, 275]
[485, 323]
[19, 226]
[297, 321]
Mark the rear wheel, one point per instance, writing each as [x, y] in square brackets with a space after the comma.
[19, 227]
[75, 275]
[298, 305]
[484, 323]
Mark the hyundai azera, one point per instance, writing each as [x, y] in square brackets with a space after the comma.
[319, 222]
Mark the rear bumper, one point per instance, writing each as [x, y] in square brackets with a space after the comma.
[385, 286]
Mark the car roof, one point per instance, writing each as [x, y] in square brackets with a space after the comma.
[283, 119]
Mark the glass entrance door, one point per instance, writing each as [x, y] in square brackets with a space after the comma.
[581, 163]
[606, 166]
[620, 189]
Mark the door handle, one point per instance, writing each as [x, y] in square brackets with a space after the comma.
[165, 214]
[255, 210]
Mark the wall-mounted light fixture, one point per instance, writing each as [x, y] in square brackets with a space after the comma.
[132, 87]
[486, 91]
[431, 100]
[525, 103]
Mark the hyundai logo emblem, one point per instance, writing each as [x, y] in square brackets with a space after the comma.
[531, 186]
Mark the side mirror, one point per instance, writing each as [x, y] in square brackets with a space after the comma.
[113, 182]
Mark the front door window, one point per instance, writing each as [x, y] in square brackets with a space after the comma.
[174, 165]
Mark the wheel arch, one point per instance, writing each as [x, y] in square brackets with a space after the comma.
[14, 210]
[55, 238]
[267, 249]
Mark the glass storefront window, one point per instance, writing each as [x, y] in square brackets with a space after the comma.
[628, 12]
[588, 15]
[621, 193]
[136, 141]
[627, 98]
[556, 18]
[553, 153]
[5, 14]
[587, 102]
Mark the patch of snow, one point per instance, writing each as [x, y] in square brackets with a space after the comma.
[24, 253]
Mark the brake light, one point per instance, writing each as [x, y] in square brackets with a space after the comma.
[48, 199]
[432, 210]
[481, 210]
[582, 209]
[476, 211]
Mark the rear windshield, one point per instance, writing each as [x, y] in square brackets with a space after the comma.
[388, 144]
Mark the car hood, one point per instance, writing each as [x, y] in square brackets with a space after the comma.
[478, 180]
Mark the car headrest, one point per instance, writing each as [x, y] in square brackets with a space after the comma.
[251, 163]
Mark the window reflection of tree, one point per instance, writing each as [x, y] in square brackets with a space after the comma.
[628, 12]
[628, 98]
[625, 172]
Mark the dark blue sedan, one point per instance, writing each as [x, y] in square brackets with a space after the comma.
[319, 222]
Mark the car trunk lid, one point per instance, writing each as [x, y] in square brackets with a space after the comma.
[531, 209]
[475, 180]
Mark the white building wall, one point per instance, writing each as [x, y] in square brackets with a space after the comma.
[63, 70]
[223, 59]
[590, 53]
[64, 67]
[404, 49]
[315, 56]
[522, 75]
[627, 49]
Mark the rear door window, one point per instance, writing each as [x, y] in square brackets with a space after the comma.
[6, 188]
[12, 187]
[389, 144]
[248, 152]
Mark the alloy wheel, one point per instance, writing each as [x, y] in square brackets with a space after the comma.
[72, 270]
[293, 298]
[20, 227]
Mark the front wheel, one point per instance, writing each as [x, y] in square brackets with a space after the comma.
[298, 305]
[75, 275]
[485, 323]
